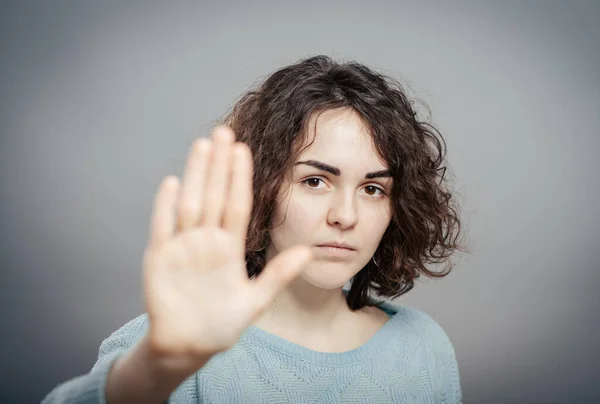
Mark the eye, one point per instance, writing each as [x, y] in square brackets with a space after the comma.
[382, 192]
[371, 188]
[313, 181]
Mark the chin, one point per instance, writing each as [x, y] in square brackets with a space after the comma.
[327, 278]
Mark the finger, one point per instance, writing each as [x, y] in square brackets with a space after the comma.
[239, 203]
[218, 177]
[162, 224]
[189, 205]
[278, 274]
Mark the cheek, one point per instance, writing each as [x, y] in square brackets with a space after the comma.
[375, 227]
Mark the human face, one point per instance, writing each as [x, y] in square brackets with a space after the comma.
[318, 206]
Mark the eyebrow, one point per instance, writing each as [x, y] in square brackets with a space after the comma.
[336, 171]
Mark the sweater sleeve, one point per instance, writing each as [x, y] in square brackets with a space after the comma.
[450, 390]
[444, 367]
[90, 388]
[440, 356]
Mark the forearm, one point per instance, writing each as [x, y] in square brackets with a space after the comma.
[141, 376]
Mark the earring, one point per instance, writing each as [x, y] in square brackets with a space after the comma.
[376, 264]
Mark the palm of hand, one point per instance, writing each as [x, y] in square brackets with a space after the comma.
[197, 292]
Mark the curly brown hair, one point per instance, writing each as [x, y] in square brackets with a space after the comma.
[272, 120]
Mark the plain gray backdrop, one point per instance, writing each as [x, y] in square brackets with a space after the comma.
[101, 100]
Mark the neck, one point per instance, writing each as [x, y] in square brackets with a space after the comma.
[310, 306]
[305, 309]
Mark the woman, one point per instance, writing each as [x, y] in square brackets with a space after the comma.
[321, 176]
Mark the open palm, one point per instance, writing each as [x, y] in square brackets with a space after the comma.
[197, 292]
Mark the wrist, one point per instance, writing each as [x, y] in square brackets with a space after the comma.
[144, 376]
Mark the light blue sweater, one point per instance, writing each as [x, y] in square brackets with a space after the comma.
[409, 360]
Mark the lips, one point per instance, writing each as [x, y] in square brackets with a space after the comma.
[337, 245]
[335, 252]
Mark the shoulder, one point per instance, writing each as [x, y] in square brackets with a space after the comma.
[419, 327]
[126, 335]
[418, 336]
[120, 341]
[138, 325]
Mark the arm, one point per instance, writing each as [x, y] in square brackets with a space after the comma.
[450, 387]
[89, 388]
[445, 367]
[127, 371]
[143, 376]
[440, 356]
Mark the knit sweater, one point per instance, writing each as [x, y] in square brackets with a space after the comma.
[410, 359]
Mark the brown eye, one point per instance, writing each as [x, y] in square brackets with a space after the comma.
[315, 181]
[375, 189]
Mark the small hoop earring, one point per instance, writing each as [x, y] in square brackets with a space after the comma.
[376, 264]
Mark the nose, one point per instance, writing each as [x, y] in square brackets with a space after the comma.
[342, 211]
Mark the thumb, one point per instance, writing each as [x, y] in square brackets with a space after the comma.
[278, 274]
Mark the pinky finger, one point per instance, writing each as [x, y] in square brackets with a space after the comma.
[162, 225]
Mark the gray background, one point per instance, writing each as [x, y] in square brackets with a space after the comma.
[101, 100]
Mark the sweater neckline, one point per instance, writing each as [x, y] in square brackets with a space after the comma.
[369, 349]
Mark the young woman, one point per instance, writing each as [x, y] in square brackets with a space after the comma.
[321, 176]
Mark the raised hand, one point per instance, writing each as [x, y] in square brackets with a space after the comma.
[197, 293]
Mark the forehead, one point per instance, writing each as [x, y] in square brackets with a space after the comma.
[341, 138]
